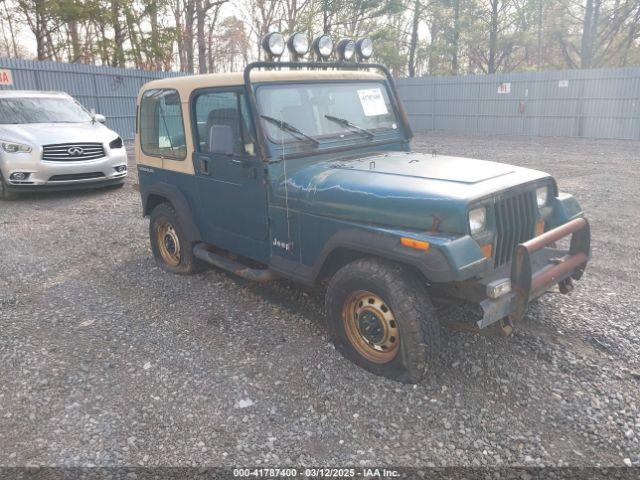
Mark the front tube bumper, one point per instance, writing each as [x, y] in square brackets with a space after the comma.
[527, 284]
[537, 265]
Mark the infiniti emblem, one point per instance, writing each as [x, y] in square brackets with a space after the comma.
[75, 151]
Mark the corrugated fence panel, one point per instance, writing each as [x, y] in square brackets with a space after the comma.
[602, 103]
[109, 91]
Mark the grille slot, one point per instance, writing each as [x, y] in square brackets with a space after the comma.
[515, 223]
[76, 176]
[64, 152]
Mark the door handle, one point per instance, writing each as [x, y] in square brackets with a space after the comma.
[248, 170]
[204, 166]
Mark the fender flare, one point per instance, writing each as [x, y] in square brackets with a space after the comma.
[432, 264]
[179, 202]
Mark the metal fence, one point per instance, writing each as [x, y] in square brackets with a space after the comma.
[109, 91]
[603, 103]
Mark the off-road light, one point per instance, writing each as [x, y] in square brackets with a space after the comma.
[364, 48]
[12, 147]
[273, 43]
[323, 46]
[18, 176]
[346, 49]
[542, 195]
[498, 288]
[477, 220]
[298, 45]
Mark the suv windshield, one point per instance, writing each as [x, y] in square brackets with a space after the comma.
[327, 109]
[41, 110]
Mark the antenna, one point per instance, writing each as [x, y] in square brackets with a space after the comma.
[289, 245]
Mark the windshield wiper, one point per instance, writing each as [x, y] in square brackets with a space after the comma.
[347, 124]
[294, 131]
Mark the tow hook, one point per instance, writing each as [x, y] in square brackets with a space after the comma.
[504, 327]
[566, 286]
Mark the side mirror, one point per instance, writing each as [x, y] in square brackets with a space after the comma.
[99, 118]
[220, 139]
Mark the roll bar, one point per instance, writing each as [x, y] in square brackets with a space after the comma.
[253, 103]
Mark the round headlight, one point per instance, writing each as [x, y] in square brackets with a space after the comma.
[273, 44]
[346, 49]
[477, 220]
[323, 46]
[364, 48]
[542, 195]
[298, 44]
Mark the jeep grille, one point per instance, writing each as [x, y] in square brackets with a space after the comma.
[516, 217]
[72, 152]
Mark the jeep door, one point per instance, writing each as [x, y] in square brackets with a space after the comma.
[229, 175]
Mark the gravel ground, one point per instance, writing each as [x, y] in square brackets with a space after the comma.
[107, 360]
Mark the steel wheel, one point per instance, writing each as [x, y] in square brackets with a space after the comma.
[371, 327]
[168, 243]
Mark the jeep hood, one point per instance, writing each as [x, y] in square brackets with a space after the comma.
[402, 189]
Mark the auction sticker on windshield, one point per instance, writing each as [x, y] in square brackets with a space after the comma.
[372, 102]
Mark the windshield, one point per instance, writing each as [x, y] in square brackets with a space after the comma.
[41, 110]
[326, 109]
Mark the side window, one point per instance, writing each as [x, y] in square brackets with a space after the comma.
[215, 110]
[161, 125]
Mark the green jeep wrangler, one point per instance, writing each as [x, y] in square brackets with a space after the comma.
[304, 170]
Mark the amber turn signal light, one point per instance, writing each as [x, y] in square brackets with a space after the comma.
[413, 243]
[487, 250]
[539, 228]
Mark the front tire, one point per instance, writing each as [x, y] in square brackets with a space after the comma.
[171, 249]
[380, 317]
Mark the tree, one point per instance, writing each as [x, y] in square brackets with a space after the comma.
[413, 37]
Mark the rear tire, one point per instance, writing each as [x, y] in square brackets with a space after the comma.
[4, 193]
[380, 317]
[171, 249]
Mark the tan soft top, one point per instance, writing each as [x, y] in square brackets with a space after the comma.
[185, 85]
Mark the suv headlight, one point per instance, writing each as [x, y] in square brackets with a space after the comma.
[477, 220]
[542, 195]
[117, 143]
[12, 147]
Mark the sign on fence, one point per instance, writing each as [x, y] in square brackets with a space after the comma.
[504, 88]
[5, 77]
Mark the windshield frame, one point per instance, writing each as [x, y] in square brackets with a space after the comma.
[64, 98]
[263, 143]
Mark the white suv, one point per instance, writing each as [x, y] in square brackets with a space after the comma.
[48, 141]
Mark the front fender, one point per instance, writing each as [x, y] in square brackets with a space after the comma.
[565, 208]
[447, 258]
